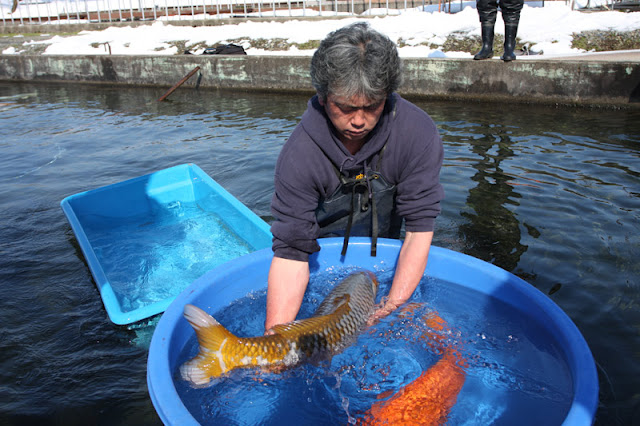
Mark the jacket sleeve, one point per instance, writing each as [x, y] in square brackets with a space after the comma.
[295, 199]
[419, 189]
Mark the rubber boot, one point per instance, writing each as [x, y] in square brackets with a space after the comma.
[510, 31]
[487, 43]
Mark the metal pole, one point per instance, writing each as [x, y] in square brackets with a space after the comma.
[30, 20]
[48, 13]
[21, 21]
[98, 9]
[141, 7]
[178, 84]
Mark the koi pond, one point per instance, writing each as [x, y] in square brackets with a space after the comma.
[551, 195]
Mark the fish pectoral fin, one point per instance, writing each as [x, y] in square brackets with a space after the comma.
[331, 303]
[341, 300]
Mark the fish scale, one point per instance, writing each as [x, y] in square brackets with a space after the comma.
[338, 318]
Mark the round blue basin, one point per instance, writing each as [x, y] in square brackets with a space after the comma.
[233, 280]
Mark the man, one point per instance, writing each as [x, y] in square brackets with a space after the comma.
[361, 160]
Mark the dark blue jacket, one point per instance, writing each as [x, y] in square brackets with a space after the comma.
[304, 174]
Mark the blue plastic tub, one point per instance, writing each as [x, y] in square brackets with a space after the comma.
[146, 239]
[221, 286]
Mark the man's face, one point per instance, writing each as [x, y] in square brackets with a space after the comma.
[353, 118]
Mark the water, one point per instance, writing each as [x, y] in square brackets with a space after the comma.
[552, 195]
[150, 259]
[513, 367]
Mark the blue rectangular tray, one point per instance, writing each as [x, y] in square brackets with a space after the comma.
[148, 238]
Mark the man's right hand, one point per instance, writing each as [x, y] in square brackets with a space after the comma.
[288, 281]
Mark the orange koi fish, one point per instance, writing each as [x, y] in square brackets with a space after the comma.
[340, 316]
[429, 398]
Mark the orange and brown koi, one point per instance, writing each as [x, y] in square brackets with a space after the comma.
[428, 399]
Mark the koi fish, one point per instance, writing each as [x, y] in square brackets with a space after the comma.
[339, 317]
[429, 398]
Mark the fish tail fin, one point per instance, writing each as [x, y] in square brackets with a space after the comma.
[212, 337]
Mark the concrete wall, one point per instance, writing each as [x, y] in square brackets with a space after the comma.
[541, 81]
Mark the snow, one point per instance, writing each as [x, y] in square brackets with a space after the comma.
[420, 31]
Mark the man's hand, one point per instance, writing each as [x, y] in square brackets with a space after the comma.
[288, 281]
[409, 271]
[381, 311]
[411, 265]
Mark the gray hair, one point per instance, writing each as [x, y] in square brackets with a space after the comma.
[356, 60]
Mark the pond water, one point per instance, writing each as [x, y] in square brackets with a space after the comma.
[552, 195]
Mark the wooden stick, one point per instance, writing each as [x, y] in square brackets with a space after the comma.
[178, 84]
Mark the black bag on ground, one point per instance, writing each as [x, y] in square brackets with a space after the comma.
[225, 49]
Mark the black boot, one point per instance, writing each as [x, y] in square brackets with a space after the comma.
[487, 43]
[510, 31]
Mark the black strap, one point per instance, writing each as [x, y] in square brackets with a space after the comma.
[374, 223]
[374, 227]
[347, 231]
[374, 212]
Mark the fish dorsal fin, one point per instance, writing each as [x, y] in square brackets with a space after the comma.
[313, 324]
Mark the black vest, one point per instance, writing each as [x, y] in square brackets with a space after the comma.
[363, 205]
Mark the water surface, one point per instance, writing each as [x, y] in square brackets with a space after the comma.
[552, 195]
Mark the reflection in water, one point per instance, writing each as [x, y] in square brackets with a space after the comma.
[492, 231]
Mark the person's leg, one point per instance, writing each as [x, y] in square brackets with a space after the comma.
[511, 16]
[487, 11]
